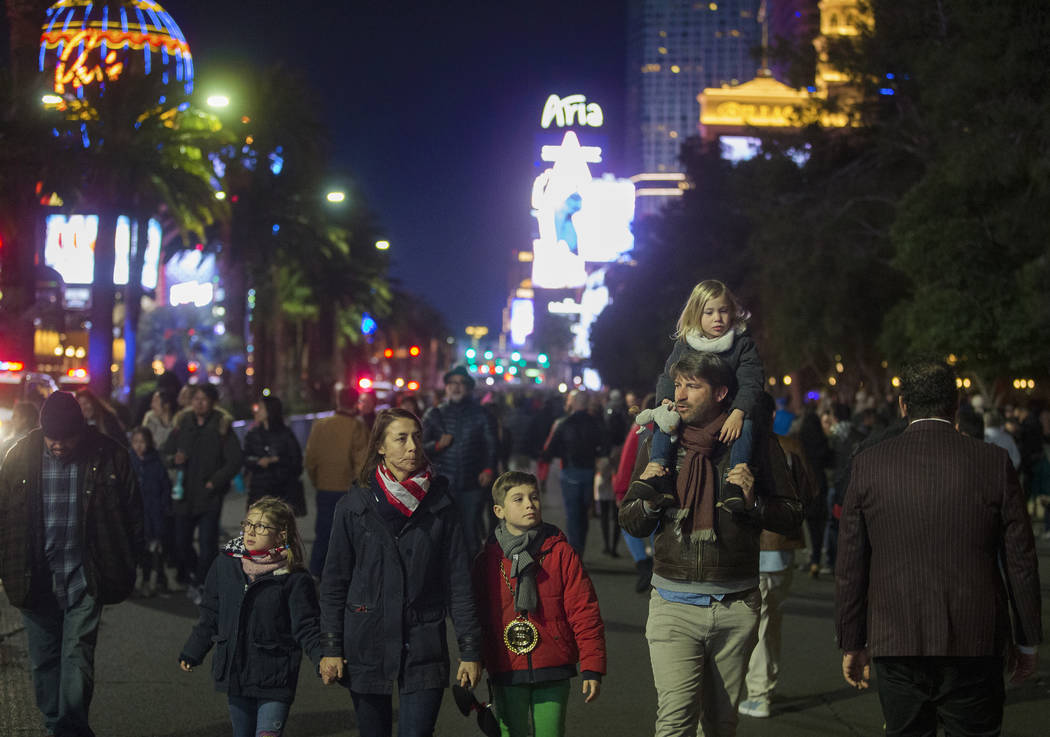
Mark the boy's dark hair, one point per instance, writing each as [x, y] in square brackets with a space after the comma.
[928, 388]
[508, 481]
[706, 366]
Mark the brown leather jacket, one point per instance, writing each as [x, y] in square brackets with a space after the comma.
[734, 554]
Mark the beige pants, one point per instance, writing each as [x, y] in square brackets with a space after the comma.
[764, 667]
[699, 657]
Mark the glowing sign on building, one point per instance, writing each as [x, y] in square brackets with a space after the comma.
[87, 44]
[191, 278]
[522, 320]
[69, 249]
[573, 110]
[579, 218]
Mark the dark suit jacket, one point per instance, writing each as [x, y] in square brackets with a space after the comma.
[928, 518]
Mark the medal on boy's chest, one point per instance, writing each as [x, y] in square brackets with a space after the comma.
[520, 635]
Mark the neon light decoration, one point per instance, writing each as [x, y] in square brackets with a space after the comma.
[88, 44]
[579, 218]
[571, 110]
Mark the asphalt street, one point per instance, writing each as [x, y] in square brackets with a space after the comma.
[140, 691]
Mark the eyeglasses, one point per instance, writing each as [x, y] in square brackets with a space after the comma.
[257, 527]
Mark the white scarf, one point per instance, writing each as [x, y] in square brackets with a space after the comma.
[406, 495]
[700, 342]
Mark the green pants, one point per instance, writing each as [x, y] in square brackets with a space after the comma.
[546, 703]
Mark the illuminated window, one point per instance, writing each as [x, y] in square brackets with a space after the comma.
[662, 50]
[673, 134]
[713, 6]
[735, 33]
[663, 34]
[675, 69]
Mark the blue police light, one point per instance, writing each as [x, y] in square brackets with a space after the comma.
[368, 324]
[886, 91]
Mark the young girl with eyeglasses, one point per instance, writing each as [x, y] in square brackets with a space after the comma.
[259, 610]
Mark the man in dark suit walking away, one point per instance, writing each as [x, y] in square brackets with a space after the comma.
[935, 550]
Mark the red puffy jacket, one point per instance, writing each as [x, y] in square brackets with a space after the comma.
[569, 621]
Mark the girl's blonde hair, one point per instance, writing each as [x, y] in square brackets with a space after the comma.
[694, 307]
[282, 516]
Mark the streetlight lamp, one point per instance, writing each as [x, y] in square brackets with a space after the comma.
[336, 196]
[382, 245]
[218, 101]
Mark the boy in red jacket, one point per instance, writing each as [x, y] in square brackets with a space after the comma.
[539, 614]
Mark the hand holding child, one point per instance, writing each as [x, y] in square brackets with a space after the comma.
[591, 689]
[185, 666]
[331, 669]
[732, 426]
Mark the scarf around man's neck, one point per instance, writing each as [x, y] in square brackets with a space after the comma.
[404, 496]
[254, 563]
[697, 483]
[521, 551]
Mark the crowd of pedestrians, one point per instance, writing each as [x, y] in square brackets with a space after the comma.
[712, 494]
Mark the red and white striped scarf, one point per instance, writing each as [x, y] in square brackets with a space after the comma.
[405, 495]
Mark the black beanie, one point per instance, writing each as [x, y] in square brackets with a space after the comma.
[60, 417]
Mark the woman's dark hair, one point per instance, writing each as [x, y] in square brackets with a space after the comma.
[384, 419]
[102, 409]
[146, 435]
[274, 411]
[167, 398]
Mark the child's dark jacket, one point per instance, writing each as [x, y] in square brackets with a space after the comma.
[569, 621]
[259, 630]
[742, 357]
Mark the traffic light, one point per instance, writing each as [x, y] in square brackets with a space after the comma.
[414, 351]
[388, 353]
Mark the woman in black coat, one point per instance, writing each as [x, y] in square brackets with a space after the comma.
[397, 566]
[272, 455]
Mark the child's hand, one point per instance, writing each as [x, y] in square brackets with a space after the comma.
[469, 674]
[591, 689]
[732, 426]
[185, 666]
[331, 669]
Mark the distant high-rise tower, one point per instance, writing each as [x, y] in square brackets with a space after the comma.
[675, 49]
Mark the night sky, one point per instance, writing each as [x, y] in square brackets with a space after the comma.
[434, 109]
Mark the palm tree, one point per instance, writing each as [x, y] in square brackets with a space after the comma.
[132, 156]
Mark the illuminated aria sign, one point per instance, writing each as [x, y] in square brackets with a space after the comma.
[571, 110]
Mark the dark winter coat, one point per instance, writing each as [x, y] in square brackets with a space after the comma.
[110, 510]
[155, 487]
[734, 554]
[742, 358]
[385, 597]
[214, 455]
[259, 629]
[474, 445]
[579, 440]
[568, 618]
[277, 479]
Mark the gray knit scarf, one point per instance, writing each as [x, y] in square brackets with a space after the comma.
[521, 551]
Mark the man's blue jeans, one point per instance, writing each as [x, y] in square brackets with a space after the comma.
[577, 491]
[62, 657]
[326, 501]
[417, 713]
[257, 717]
